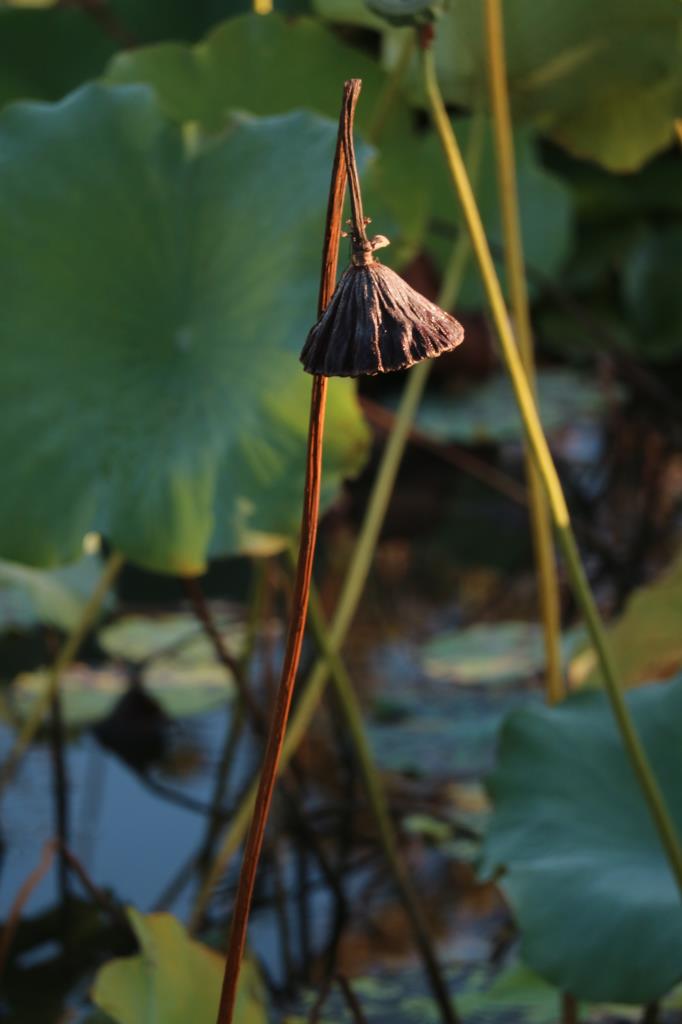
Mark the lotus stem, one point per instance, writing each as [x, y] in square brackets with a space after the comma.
[311, 501]
[541, 526]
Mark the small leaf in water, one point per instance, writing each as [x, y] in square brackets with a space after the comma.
[491, 654]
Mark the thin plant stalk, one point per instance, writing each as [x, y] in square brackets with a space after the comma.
[358, 570]
[547, 471]
[311, 500]
[237, 668]
[66, 655]
[541, 525]
[352, 713]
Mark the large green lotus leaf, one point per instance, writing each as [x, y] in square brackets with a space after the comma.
[491, 654]
[154, 305]
[54, 597]
[585, 872]
[268, 65]
[646, 641]
[488, 414]
[603, 79]
[173, 980]
[265, 65]
[545, 205]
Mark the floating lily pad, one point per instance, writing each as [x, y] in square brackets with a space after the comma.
[173, 979]
[511, 996]
[90, 694]
[488, 414]
[197, 273]
[55, 597]
[87, 694]
[491, 654]
[137, 638]
[585, 872]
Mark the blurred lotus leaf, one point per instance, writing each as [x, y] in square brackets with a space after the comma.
[488, 414]
[491, 654]
[602, 79]
[178, 669]
[584, 869]
[273, 64]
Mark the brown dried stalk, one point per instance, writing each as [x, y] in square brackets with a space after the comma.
[311, 500]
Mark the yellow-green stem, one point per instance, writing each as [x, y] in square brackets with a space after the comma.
[63, 660]
[541, 527]
[546, 469]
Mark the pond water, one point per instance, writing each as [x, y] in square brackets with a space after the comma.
[452, 553]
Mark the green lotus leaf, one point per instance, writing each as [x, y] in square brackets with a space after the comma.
[584, 869]
[603, 79]
[173, 979]
[268, 65]
[155, 300]
[488, 414]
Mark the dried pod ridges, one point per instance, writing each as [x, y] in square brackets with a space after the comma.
[376, 323]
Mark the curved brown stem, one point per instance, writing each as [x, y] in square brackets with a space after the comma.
[350, 99]
[311, 500]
